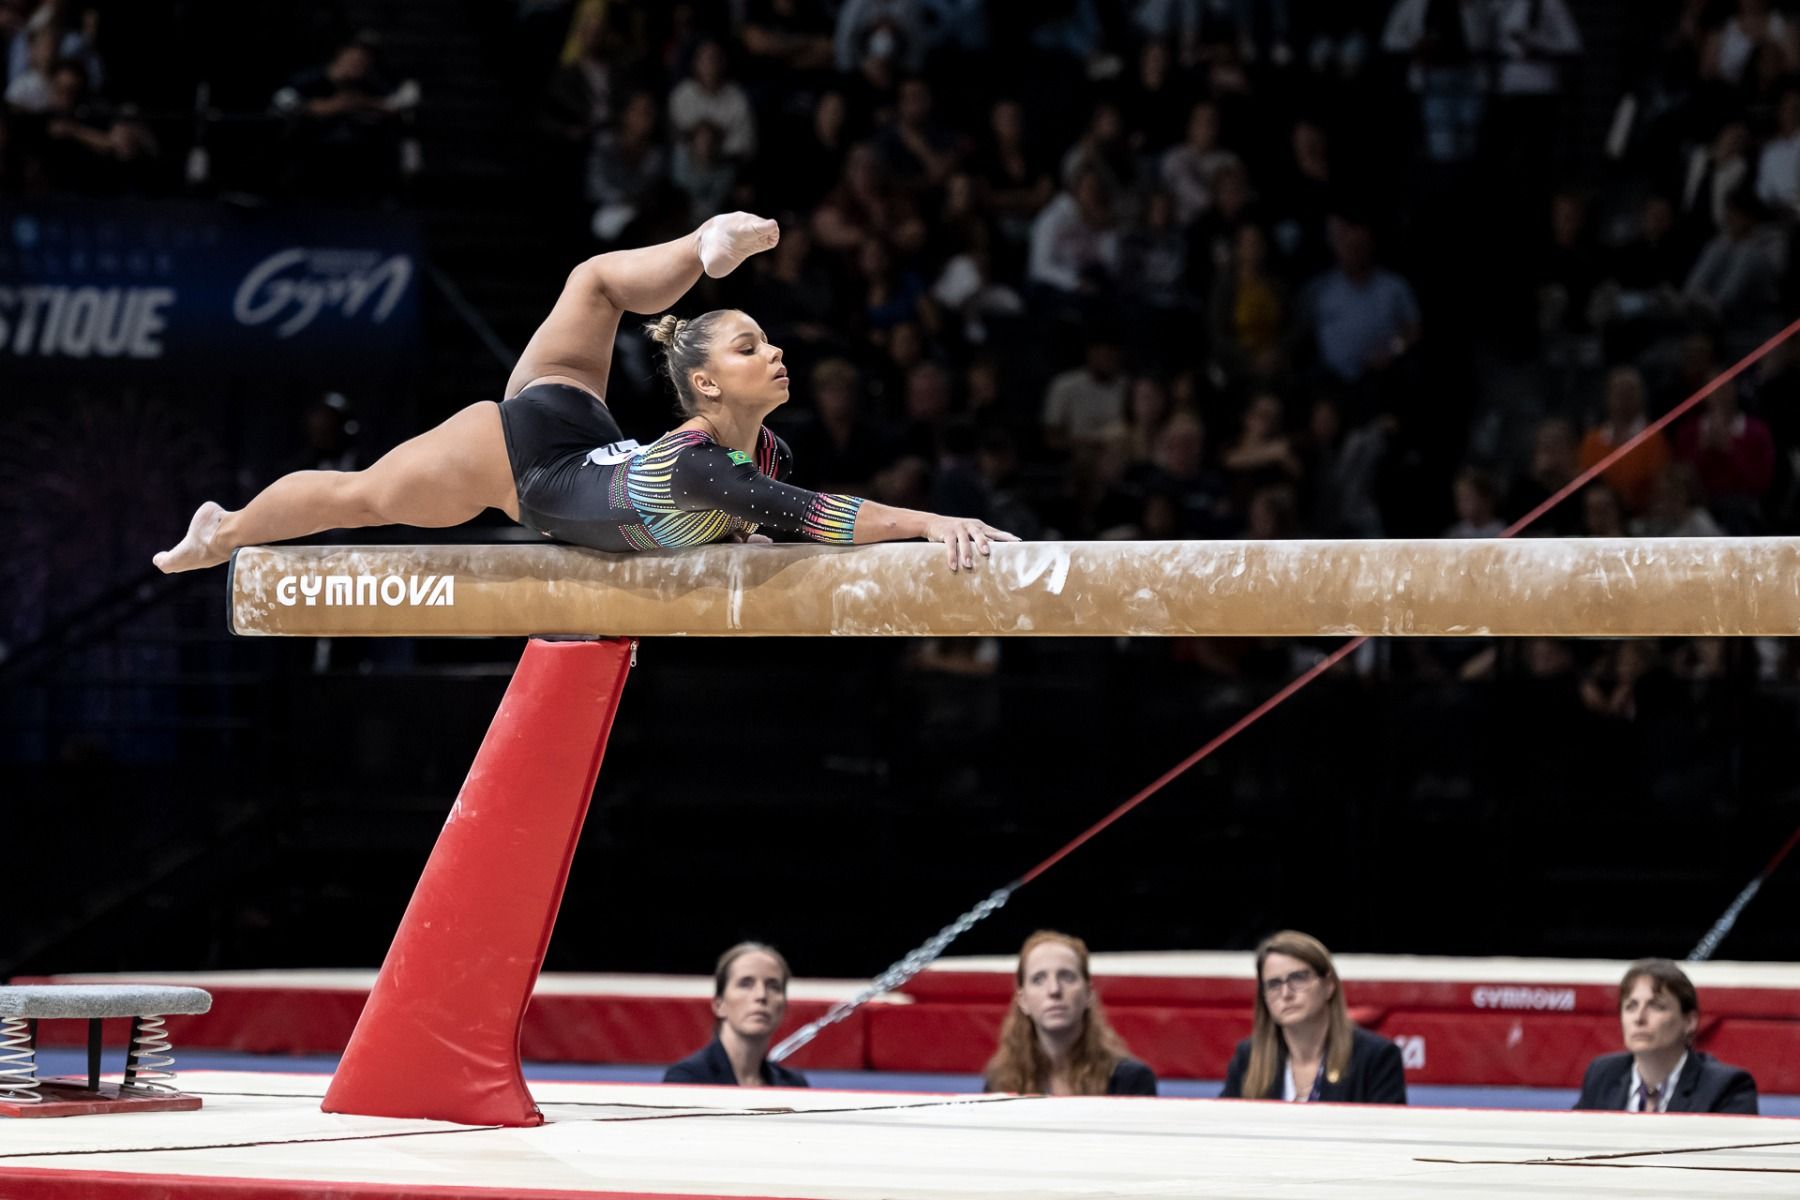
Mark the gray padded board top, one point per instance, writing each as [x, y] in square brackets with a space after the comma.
[54, 1000]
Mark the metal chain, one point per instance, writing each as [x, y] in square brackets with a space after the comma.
[897, 975]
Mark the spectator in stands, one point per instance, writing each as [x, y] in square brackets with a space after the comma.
[1147, 409]
[862, 207]
[346, 120]
[584, 94]
[703, 173]
[1263, 455]
[1552, 466]
[1570, 271]
[787, 37]
[1302, 1045]
[1448, 42]
[840, 448]
[1075, 241]
[1477, 497]
[627, 170]
[1715, 170]
[1736, 280]
[1634, 476]
[918, 152]
[1055, 1039]
[1015, 180]
[87, 146]
[28, 89]
[1249, 310]
[71, 30]
[1364, 316]
[1778, 167]
[1602, 513]
[1082, 404]
[1732, 450]
[1179, 470]
[1343, 471]
[1676, 507]
[750, 988]
[1730, 48]
[1659, 1070]
[1190, 170]
[708, 96]
[1307, 194]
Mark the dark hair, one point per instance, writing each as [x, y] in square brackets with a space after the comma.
[722, 973]
[686, 345]
[1664, 976]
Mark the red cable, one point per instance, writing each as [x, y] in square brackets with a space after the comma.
[1267, 706]
[1793, 840]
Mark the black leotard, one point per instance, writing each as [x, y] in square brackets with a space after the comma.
[580, 481]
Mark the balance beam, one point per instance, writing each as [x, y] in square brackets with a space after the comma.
[1551, 587]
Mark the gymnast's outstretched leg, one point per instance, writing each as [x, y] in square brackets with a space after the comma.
[444, 476]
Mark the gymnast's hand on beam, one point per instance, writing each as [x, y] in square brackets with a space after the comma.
[754, 539]
[963, 536]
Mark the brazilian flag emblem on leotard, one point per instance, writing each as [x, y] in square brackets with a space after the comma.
[740, 459]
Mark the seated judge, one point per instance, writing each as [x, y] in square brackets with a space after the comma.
[749, 1000]
[1056, 1040]
[1302, 1045]
[1659, 1070]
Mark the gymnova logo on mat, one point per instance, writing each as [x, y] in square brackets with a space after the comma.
[1538, 999]
[366, 591]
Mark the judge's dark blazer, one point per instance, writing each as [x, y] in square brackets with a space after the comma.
[713, 1065]
[1705, 1085]
[1129, 1078]
[1373, 1077]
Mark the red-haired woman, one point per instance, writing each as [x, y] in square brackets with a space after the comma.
[1302, 1045]
[1056, 1040]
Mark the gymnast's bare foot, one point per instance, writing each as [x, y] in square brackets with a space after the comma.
[196, 549]
[729, 238]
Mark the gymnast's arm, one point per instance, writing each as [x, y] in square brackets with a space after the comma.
[713, 478]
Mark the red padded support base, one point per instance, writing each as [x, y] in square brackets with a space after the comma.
[439, 1037]
[74, 1098]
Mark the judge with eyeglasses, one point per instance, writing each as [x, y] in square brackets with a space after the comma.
[1302, 1045]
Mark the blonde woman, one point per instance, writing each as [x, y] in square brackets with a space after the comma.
[1056, 1040]
[1302, 1045]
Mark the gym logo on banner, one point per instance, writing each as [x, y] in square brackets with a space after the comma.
[191, 285]
[366, 591]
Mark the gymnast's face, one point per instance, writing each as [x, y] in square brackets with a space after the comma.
[1652, 1020]
[755, 997]
[743, 368]
[1055, 994]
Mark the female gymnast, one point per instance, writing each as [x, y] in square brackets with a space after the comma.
[552, 458]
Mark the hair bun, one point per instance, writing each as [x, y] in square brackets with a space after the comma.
[665, 330]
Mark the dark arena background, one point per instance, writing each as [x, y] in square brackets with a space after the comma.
[1121, 270]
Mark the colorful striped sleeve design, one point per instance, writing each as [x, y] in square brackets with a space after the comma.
[831, 518]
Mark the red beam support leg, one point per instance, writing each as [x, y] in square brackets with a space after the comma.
[439, 1037]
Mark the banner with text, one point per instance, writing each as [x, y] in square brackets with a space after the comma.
[194, 286]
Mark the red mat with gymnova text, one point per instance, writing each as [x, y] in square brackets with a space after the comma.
[1462, 1021]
